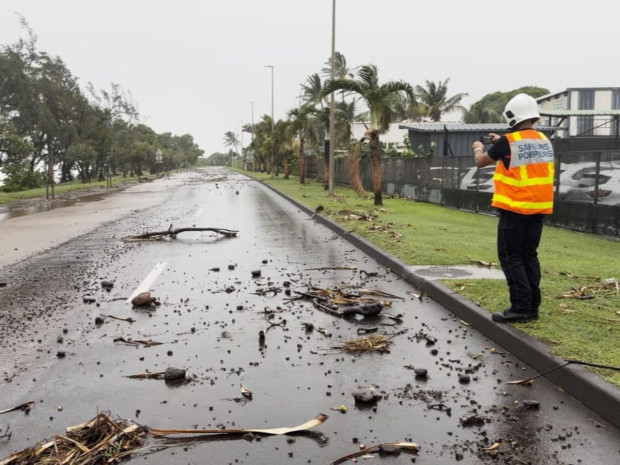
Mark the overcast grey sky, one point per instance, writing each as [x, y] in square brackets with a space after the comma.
[193, 66]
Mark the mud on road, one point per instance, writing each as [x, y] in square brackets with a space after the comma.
[439, 383]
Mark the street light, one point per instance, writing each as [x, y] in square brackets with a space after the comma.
[273, 155]
[252, 137]
[332, 110]
[271, 66]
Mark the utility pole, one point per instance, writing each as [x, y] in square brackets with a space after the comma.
[273, 157]
[332, 109]
[252, 136]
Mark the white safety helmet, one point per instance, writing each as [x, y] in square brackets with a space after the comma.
[521, 108]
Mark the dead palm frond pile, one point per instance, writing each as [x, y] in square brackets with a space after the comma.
[607, 289]
[101, 440]
[372, 343]
[350, 295]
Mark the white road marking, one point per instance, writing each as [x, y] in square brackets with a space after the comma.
[146, 283]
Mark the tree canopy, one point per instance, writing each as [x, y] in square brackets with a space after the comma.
[48, 121]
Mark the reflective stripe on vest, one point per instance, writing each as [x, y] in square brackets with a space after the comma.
[527, 186]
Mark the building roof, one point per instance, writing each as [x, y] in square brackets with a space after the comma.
[566, 113]
[460, 127]
[463, 127]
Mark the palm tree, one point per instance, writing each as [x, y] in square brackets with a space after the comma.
[436, 100]
[312, 90]
[407, 110]
[341, 70]
[377, 98]
[231, 140]
[302, 121]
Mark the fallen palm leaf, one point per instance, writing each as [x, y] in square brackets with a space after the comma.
[407, 446]
[336, 268]
[137, 342]
[85, 443]
[317, 421]
[372, 343]
[25, 407]
[245, 392]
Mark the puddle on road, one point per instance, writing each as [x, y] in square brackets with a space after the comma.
[39, 206]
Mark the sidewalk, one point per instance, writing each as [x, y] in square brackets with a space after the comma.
[592, 391]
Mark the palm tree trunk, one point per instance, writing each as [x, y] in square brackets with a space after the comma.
[354, 171]
[326, 164]
[375, 158]
[302, 163]
[287, 168]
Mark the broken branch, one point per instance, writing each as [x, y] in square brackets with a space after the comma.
[158, 235]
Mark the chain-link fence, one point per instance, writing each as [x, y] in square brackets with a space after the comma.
[587, 185]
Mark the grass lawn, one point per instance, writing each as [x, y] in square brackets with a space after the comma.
[580, 312]
[7, 197]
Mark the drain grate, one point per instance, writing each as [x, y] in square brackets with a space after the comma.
[442, 272]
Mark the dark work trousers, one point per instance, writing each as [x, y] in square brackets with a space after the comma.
[518, 237]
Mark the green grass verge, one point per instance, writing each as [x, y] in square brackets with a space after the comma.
[7, 197]
[425, 234]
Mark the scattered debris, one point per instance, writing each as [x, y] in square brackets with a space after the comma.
[531, 404]
[608, 289]
[483, 263]
[530, 381]
[317, 421]
[372, 343]
[472, 419]
[25, 407]
[107, 285]
[386, 447]
[245, 392]
[324, 268]
[342, 409]
[89, 442]
[144, 299]
[170, 375]
[137, 342]
[128, 319]
[366, 395]
[7, 434]
[160, 235]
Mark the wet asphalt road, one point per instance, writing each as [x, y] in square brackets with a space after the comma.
[294, 376]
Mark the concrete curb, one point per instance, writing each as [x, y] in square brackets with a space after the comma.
[591, 390]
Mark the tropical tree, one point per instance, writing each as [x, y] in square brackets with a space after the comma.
[312, 90]
[377, 98]
[231, 140]
[435, 98]
[341, 70]
[489, 109]
[303, 126]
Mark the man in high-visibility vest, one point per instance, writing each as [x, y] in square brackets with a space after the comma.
[524, 195]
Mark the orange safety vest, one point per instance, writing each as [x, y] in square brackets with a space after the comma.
[526, 187]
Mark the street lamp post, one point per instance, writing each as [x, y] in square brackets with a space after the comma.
[332, 110]
[273, 158]
[252, 136]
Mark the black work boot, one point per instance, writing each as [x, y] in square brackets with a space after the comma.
[535, 313]
[512, 316]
